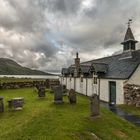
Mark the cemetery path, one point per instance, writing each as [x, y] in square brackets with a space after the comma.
[119, 112]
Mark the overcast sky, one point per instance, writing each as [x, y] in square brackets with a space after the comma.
[46, 34]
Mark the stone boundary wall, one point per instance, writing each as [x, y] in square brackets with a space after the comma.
[132, 94]
[15, 85]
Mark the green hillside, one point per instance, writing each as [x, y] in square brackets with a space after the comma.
[10, 67]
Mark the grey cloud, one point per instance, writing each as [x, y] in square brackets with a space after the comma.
[65, 7]
[31, 30]
[28, 16]
[103, 25]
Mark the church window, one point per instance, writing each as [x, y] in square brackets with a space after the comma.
[94, 80]
[81, 78]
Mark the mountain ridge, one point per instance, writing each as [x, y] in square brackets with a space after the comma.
[10, 67]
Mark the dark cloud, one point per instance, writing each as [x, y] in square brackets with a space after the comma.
[45, 34]
[28, 15]
[103, 25]
[65, 7]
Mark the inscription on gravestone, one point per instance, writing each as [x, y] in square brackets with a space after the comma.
[58, 94]
[95, 105]
[72, 96]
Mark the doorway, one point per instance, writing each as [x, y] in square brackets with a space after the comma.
[112, 93]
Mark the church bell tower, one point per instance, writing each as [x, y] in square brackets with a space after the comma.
[129, 42]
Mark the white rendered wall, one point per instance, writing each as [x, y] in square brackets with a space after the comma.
[63, 80]
[90, 87]
[135, 78]
[80, 87]
[104, 90]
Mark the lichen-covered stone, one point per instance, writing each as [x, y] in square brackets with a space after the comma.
[132, 94]
[72, 96]
[94, 105]
[58, 94]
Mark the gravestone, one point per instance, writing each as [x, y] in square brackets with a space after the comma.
[16, 103]
[72, 96]
[95, 105]
[58, 94]
[41, 92]
[1, 104]
[47, 83]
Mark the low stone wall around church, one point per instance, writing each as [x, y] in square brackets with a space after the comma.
[48, 83]
[132, 94]
[16, 85]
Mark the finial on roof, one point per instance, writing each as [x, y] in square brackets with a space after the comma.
[129, 22]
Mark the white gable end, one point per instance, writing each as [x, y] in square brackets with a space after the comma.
[135, 78]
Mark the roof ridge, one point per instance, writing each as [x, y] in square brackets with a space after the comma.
[99, 63]
[101, 58]
[108, 56]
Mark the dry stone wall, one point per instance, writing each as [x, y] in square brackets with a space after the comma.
[15, 85]
[132, 94]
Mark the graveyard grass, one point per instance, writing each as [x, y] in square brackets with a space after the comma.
[42, 120]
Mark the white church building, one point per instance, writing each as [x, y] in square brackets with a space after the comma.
[106, 76]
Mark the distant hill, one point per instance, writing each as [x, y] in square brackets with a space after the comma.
[10, 67]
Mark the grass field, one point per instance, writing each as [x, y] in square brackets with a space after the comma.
[42, 120]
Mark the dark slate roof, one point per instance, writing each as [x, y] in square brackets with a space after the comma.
[71, 69]
[65, 71]
[119, 66]
[85, 68]
[129, 35]
[100, 67]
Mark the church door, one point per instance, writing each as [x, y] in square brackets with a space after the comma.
[112, 93]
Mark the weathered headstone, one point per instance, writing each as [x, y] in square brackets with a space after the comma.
[16, 103]
[1, 104]
[47, 83]
[58, 95]
[41, 92]
[72, 96]
[95, 105]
